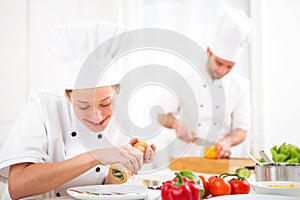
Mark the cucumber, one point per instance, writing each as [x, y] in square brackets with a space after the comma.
[243, 172]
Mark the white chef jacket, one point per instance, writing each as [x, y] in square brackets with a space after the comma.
[237, 112]
[47, 131]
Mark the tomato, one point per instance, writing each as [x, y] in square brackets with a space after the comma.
[206, 186]
[211, 178]
[219, 187]
[239, 186]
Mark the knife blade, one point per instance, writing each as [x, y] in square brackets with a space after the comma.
[203, 142]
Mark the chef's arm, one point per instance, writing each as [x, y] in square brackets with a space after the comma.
[43, 177]
[182, 131]
[229, 140]
[168, 121]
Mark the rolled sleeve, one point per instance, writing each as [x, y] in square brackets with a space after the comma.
[27, 141]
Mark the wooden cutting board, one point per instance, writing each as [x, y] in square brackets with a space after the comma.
[210, 166]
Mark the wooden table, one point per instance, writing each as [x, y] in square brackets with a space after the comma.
[210, 166]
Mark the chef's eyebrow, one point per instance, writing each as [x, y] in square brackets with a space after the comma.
[105, 98]
[80, 101]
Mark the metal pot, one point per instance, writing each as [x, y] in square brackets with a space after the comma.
[277, 172]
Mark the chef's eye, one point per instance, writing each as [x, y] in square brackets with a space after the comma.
[83, 107]
[105, 104]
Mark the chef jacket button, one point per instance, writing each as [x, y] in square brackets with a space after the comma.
[57, 194]
[73, 134]
[98, 169]
[99, 136]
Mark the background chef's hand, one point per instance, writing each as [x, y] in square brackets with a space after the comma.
[149, 152]
[127, 155]
[183, 132]
[223, 148]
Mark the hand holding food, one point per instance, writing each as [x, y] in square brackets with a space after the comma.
[141, 145]
[119, 173]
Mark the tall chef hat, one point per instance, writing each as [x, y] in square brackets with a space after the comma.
[80, 47]
[232, 34]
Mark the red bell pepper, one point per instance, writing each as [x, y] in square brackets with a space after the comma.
[180, 188]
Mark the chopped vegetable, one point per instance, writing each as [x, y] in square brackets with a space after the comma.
[243, 172]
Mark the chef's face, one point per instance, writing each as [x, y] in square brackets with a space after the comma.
[217, 67]
[93, 107]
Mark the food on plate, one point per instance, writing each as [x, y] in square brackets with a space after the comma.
[288, 153]
[281, 186]
[102, 193]
[210, 152]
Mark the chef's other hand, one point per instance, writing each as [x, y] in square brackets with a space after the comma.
[223, 148]
[183, 132]
[127, 155]
[149, 153]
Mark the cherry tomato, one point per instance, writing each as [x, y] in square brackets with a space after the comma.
[206, 186]
[239, 186]
[219, 187]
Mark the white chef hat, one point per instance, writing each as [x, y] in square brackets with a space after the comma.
[232, 34]
[76, 46]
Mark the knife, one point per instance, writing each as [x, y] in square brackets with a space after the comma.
[203, 142]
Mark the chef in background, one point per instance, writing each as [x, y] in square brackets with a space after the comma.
[66, 139]
[232, 35]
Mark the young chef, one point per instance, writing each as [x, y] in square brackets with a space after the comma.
[66, 139]
[233, 33]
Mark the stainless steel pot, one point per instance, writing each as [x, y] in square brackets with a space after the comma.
[277, 172]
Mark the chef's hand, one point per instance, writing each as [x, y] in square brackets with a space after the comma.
[183, 132]
[223, 148]
[128, 155]
[149, 153]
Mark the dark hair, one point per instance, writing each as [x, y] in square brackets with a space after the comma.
[117, 86]
[69, 91]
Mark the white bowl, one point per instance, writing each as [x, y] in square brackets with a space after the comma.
[285, 188]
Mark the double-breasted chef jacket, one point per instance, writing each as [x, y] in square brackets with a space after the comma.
[47, 131]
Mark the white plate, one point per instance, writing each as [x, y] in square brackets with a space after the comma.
[267, 187]
[120, 192]
[253, 197]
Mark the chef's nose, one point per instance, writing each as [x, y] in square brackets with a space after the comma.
[99, 115]
[222, 71]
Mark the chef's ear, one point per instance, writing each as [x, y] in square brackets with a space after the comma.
[68, 95]
[117, 88]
